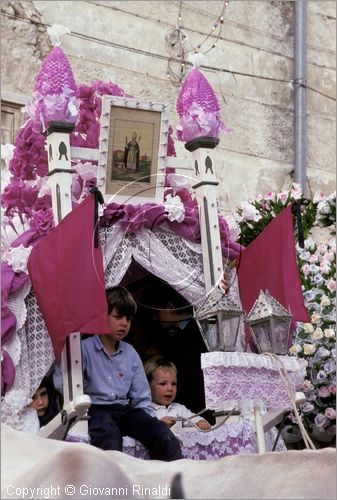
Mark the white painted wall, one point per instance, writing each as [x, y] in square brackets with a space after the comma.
[250, 70]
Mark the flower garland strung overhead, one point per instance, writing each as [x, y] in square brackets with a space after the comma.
[179, 45]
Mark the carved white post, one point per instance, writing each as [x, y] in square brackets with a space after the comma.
[60, 173]
[59, 166]
[206, 193]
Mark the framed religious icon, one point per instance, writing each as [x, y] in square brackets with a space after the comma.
[132, 150]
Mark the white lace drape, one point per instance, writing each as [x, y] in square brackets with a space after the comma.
[166, 255]
[248, 380]
[229, 439]
[161, 252]
[32, 353]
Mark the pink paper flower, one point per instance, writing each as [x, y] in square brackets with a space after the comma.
[331, 285]
[296, 191]
[171, 151]
[43, 221]
[270, 195]
[283, 197]
[330, 413]
[324, 392]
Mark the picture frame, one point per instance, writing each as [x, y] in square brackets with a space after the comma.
[132, 150]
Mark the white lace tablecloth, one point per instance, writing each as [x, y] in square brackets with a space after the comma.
[229, 439]
[246, 380]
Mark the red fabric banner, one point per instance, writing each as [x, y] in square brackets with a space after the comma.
[67, 275]
[269, 263]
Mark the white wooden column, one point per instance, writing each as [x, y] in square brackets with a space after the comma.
[60, 173]
[59, 166]
[206, 194]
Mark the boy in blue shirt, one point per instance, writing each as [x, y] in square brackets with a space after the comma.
[115, 380]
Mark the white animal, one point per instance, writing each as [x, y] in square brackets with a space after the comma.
[32, 462]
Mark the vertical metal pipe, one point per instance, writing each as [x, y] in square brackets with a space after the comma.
[300, 98]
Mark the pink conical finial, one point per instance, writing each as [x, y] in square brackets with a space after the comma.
[198, 109]
[196, 89]
[55, 74]
[55, 92]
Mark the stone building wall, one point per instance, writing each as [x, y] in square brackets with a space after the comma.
[250, 69]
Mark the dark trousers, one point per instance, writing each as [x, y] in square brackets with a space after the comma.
[109, 423]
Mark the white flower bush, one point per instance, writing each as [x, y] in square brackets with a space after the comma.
[314, 341]
[254, 215]
[326, 211]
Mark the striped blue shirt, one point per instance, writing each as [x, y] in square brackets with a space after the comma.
[118, 378]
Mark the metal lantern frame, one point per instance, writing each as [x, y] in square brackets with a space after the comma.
[273, 321]
[219, 318]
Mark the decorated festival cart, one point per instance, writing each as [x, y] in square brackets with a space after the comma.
[96, 215]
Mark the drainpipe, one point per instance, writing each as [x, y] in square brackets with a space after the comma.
[300, 98]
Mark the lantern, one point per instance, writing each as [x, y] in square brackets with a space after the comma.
[219, 319]
[269, 323]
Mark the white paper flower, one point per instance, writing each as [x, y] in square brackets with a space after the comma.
[318, 197]
[309, 349]
[325, 301]
[87, 170]
[10, 231]
[72, 109]
[56, 31]
[308, 328]
[315, 319]
[175, 208]
[178, 181]
[249, 212]
[310, 244]
[5, 178]
[296, 191]
[44, 187]
[17, 258]
[234, 227]
[7, 151]
[296, 348]
[42, 184]
[318, 334]
[197, 59]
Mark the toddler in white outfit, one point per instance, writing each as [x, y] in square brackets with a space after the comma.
[162, 377]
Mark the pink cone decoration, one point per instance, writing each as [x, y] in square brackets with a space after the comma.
[198, 109]
[55, 74]
[54, 97]
[196, 89]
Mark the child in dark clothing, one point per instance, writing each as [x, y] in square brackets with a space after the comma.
[115, 380]
[45, 402]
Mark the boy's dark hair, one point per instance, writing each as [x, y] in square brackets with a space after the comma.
[120, 298]
[152, 364]
[45, 382]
